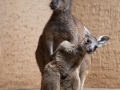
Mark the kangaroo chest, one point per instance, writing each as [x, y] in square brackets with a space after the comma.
[61, 30]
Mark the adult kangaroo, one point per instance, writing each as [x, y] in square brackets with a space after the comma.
[61, 26]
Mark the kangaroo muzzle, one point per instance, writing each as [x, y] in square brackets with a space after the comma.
[54, 4]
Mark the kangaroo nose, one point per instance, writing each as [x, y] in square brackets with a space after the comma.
[53, 4]
[89, 50]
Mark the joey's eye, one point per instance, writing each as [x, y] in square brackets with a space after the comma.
[88, 41]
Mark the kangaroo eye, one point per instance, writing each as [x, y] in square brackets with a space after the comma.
[88, 41]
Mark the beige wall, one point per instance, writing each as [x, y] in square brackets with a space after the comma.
[21, 23]
[102, 17]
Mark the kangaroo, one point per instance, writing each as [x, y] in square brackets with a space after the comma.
[61, 26]
[62, 73]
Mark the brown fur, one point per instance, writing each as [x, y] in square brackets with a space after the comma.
[63, 72]
[61, 26]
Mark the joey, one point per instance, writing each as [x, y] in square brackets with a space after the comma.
[62, 73]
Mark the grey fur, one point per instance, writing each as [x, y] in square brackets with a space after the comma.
[61, 26]
[63, 72]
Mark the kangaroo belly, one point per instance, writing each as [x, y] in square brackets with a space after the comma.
[58, 38]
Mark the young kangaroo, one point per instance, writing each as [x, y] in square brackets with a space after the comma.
[63, 72]
[61, 26]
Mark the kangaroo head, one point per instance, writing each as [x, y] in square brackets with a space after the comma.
[60, 4]
[90, 43]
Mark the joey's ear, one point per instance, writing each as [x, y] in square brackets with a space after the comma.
[102, 39]
[86, 32]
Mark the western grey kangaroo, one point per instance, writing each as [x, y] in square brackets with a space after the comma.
[61, 26]
[63, 72]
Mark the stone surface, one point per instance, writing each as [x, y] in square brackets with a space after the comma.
[21, 23]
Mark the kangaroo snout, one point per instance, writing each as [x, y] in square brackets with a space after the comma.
[89, 50]
[54, 4]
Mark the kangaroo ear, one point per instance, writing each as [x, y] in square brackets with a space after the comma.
[86, 32]
[102, 39]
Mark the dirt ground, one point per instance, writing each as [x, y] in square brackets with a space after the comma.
[39, 89]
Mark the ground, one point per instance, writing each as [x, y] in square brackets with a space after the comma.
[83, 89]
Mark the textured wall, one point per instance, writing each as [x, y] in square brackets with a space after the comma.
[21, 23]
[102, 17]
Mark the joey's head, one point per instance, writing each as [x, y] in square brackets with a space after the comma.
[60, 4]
[90, 43]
